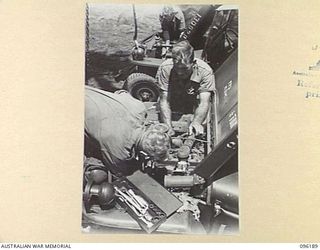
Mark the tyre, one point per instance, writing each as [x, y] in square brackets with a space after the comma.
[142, 87]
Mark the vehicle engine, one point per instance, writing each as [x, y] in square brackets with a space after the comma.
[169, 196]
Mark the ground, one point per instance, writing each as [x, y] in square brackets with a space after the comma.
[110, 39]
[111, 27]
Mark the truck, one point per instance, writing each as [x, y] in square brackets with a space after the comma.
[196, 189]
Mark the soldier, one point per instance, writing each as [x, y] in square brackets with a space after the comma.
[172, 23]
[115, 130]
[181, 79]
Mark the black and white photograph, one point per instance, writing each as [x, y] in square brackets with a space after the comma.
[161, 119]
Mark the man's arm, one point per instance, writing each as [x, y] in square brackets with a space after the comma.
[180, 16]
[200, 113]
[165, 110]
[162, 81]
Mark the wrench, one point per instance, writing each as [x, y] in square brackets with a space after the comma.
[129, 200]
[138, 199]
[137, 212]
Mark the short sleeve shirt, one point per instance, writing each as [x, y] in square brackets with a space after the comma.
[174, 27]
[182, 93]
[113, 121]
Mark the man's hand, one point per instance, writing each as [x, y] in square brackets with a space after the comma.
[164, 52]
[200, 114]
[171, 131]
[196, 129]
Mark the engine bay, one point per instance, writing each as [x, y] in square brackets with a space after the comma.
[171, 196]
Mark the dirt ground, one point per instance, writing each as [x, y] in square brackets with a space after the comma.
[110, 39]
[111, 27]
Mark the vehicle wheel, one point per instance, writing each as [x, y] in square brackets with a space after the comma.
[142, 87]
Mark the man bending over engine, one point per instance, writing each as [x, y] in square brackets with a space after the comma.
[115, 130]
[183, 82]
